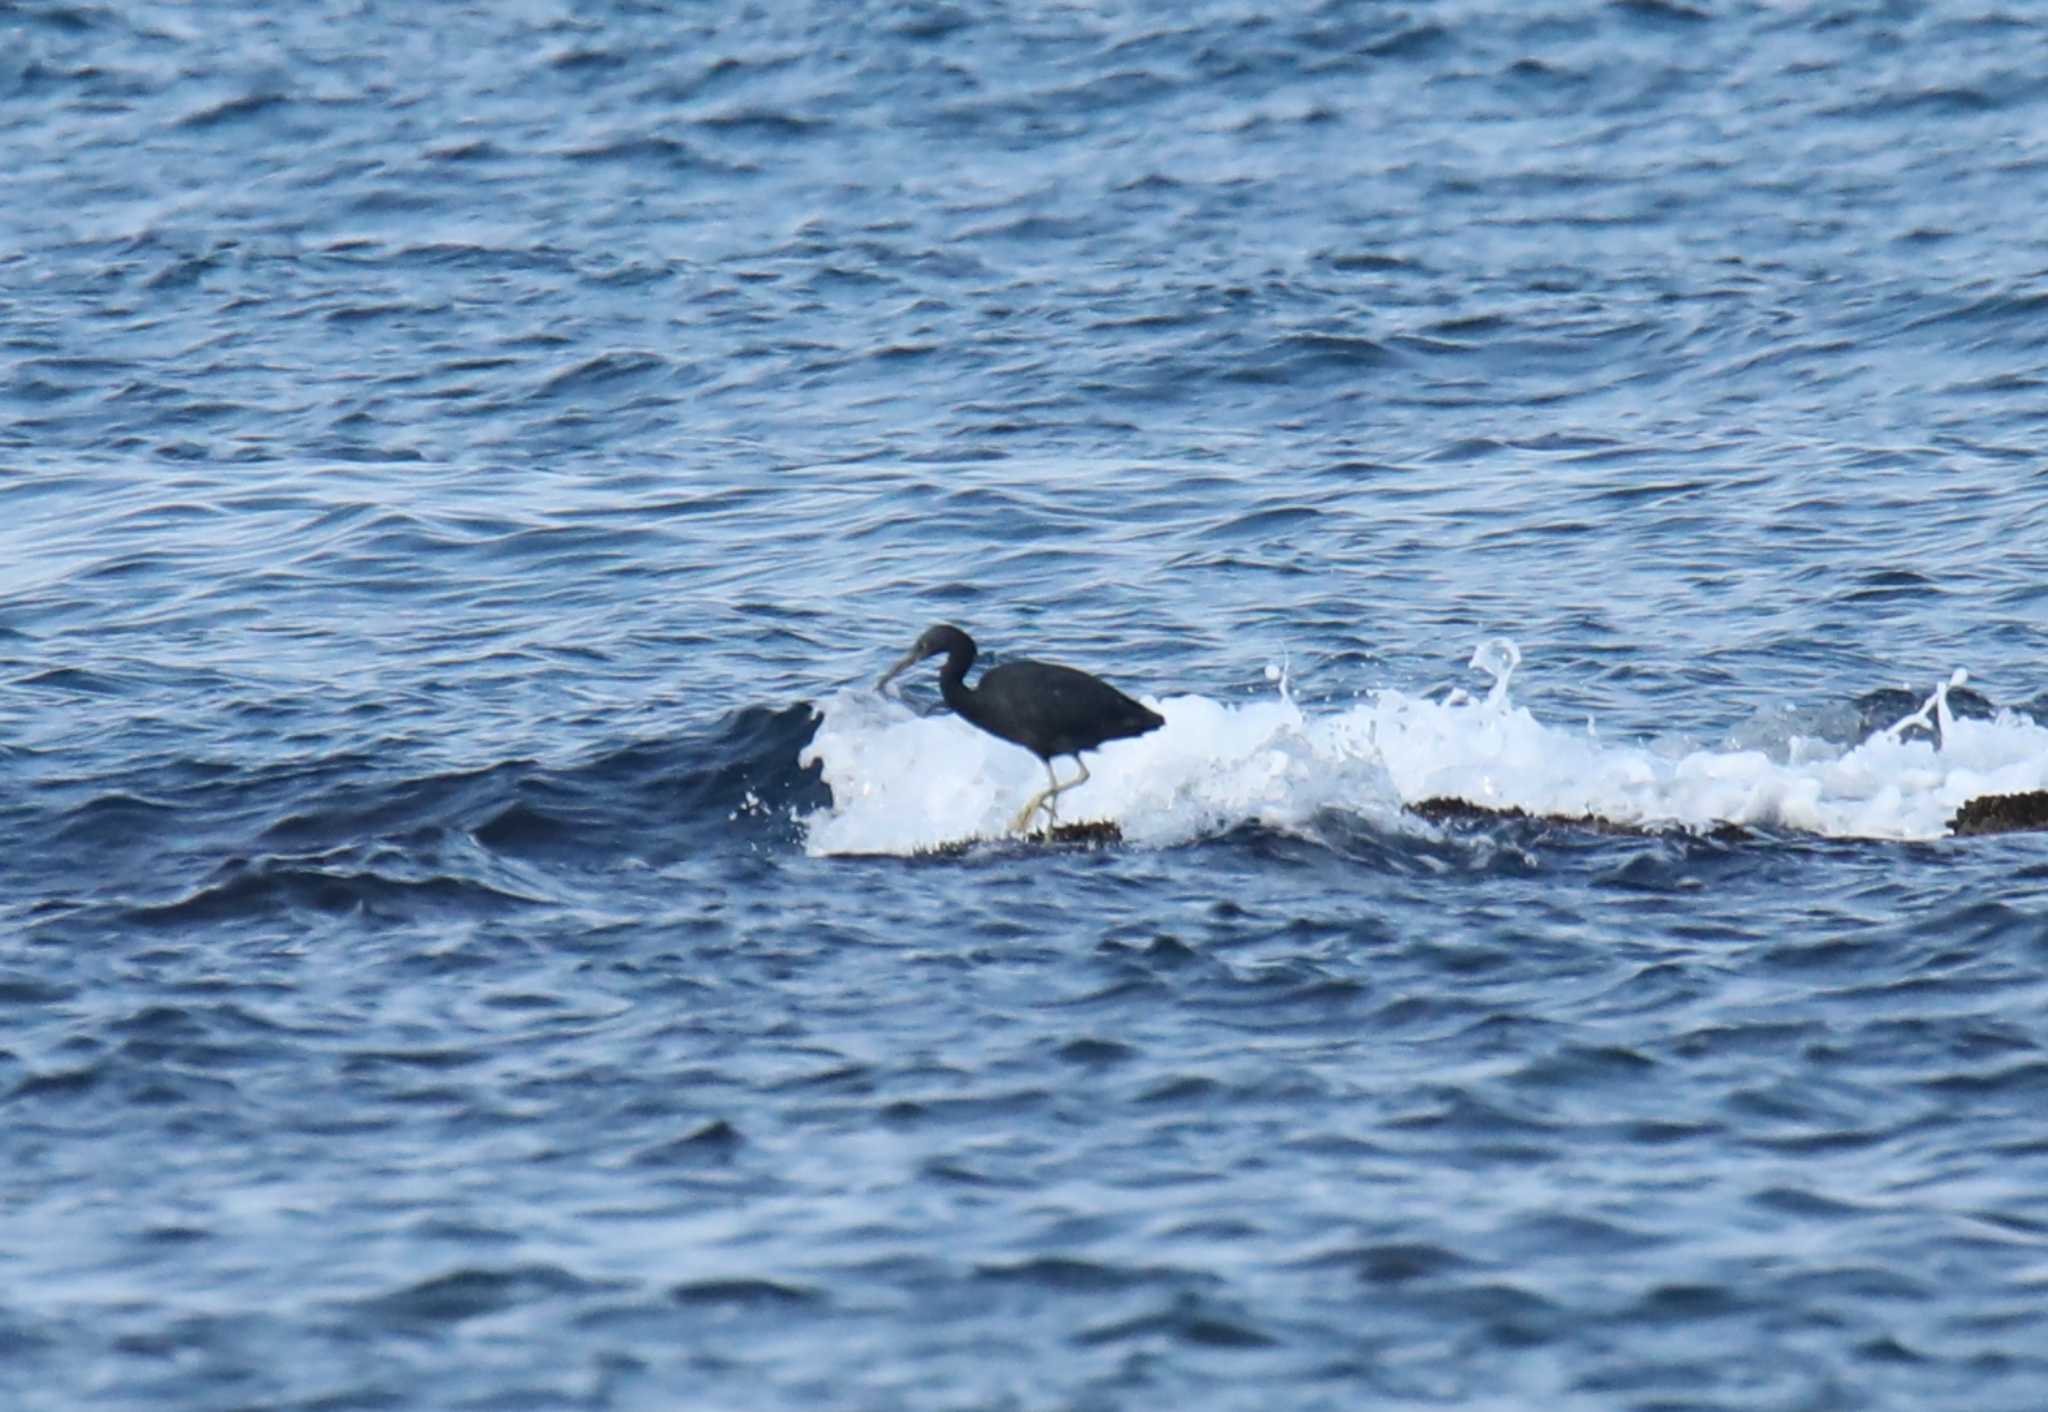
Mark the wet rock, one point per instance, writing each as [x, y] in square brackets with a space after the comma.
[2002, 813]
[1093, 834]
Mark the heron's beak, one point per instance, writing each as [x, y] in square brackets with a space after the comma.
[910, 659]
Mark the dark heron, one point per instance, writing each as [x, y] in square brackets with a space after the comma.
[1046, 708]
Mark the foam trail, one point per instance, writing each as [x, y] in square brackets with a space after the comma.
[902, 783]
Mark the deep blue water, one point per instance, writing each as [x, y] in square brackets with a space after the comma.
[451, 457]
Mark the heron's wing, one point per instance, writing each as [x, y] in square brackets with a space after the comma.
[1056, 710]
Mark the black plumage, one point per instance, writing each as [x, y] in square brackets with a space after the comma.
[1048, 709]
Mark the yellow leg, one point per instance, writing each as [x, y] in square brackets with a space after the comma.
[1048, 797]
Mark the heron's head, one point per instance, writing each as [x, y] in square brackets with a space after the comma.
[945, 638]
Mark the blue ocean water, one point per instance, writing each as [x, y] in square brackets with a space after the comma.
[471, 938]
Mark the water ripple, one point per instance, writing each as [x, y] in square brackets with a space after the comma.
[447, 476]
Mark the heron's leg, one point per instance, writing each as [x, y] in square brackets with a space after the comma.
[1052, 801]
[1023, 819]
[1048, 798]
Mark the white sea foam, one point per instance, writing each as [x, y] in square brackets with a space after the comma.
[902, 782]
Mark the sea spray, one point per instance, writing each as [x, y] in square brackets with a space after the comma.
[902, 783]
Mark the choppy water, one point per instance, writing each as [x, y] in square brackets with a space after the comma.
[468, 938]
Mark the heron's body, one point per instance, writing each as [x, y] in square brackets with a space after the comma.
[1048, 709]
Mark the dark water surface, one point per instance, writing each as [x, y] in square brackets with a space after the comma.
[465, 939]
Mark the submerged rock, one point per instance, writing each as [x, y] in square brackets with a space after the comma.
[1445, 810]
[1986, 814]
[1094, 831]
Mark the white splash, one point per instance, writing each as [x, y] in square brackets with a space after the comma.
[901, 783]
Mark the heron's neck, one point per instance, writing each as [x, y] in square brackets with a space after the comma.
[953, 685]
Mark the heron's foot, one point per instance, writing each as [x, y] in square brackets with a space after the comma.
[1043, 800]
